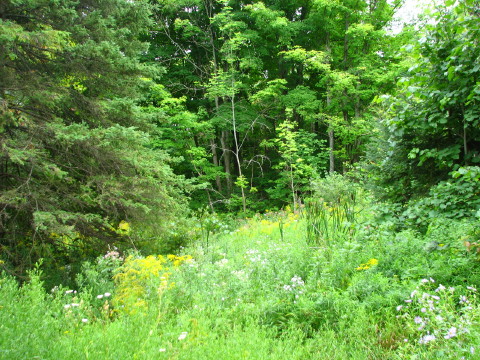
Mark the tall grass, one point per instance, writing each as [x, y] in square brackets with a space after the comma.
[259, 292]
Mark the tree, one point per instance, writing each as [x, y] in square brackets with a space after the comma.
[76, 155]
[241, 67]
[433, 124]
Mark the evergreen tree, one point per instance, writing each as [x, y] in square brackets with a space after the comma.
[76, 152]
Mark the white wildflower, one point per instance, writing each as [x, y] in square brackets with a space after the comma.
[452, 332]
[183, 335]
[418, 320]
[222, 263]
[426, 339]
[297, 281]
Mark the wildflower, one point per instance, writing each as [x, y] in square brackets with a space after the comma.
[424, 281]
[183, 335]
[452, 332]
[107, 294]
[423, 310]
[67, 306]
[418, 320]
[75, 305]
[84, 320]
[367, 265]
[68, 291]
[162, 350]
[435, 297]
[472, 350]
[426, 339]
[297, 281]
[399, 307]
[440, 288]
[99, 296]
[471, 288]
[408, 301]
[414, 292]
[114, 255]
[431, 280]
[287, 288]
[463, 299]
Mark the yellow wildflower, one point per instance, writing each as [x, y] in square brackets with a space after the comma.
[367, 265]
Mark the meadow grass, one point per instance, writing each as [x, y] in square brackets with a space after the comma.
[262, 291]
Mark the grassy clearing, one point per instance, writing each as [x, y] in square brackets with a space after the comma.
[263, 291]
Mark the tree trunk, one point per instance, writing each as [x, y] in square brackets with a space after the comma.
[227, 162]
[237, 147]
[213, 146]
[331, 142]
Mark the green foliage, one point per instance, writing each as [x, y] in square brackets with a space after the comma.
[247, 69]
[432, 125]
[97, 277]
[440, 319]
[76, 151]
[26, 312]
[262, 291]
[300, 155]
[93, 132]
[331, 213]
[456, 198]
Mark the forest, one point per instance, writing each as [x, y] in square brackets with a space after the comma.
[239, 179]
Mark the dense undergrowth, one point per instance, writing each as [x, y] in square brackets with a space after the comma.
[276, 287]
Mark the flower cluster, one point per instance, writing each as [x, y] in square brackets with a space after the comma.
[437, 314]
[113, 255]
[142, 277]
[367, 265]
[106, 295]
[296, 286]
[255, 256]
